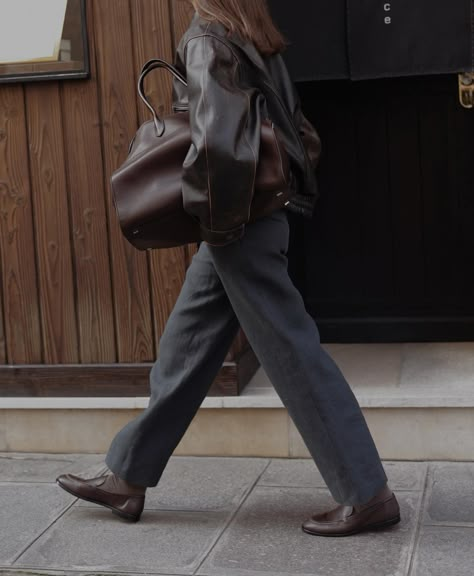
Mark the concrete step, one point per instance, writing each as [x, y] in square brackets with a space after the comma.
[418, 399]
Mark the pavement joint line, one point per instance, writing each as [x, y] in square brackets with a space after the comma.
[419, 519]
[293, 486]
[4, 569]
[327, 489]
[7, 568]
[217, 512]
[25, 482]
[22, 456]
[60, 515]
[468, 525]
[231, 517]
[32, 571]
[91, 473]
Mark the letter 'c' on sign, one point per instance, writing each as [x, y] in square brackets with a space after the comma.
[387, 7]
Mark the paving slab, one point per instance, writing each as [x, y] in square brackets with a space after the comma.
[450, 494]
[265, 537]
[292, 472]
[27, 510]
[94, 540]
[406, 475]
[444, 551]
[303, 472]
[36, 572]
[25, 467]
[202, 483]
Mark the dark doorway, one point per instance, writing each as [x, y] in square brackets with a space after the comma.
[389, 253]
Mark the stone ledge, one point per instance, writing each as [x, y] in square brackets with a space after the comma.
[399, 433]
[408, 375]
[268, 399]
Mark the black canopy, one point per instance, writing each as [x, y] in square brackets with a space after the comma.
[360, 39]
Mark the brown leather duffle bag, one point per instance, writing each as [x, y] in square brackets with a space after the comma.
[146, 188]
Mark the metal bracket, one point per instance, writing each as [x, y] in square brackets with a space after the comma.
[466, 89]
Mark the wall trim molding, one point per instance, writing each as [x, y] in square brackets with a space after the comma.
[110, 380]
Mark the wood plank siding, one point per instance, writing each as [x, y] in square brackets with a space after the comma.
[387, 256]
[388, 253]
[81, 311]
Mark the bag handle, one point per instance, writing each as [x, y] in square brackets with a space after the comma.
[147, 68]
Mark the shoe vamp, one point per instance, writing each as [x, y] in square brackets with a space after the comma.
[96, 482]
[338, 514]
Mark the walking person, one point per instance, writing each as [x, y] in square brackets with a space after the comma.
[231, 55]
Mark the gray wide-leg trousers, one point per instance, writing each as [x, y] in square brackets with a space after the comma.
[247, 282]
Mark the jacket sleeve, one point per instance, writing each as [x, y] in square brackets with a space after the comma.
[220, 167]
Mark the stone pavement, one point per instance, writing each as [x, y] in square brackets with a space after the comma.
[230, 517]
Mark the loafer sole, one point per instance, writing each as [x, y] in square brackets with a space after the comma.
[120, 513]
[375, 526]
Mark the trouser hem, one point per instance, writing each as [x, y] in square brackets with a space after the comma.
[367, 492]
[129, 477]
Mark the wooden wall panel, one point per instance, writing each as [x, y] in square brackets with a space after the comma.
[48, 183]
[17, 246]
[3, 354]
[374, 213]
[88, 213]
[153, 39]
[461, 187]
[113, 380]
[408, 167]
[115, 69]
[340, 133]
[190, 250]
[438, 209]
[182, 13]
[406, 199]
[72, 290]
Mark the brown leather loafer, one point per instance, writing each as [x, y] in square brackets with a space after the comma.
[128, 506]
[347, 520]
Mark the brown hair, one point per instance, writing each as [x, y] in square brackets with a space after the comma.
[251, 19]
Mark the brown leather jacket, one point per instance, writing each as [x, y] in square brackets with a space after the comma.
[231, 87]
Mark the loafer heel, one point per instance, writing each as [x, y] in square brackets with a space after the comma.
[386, 523]
[126, 516]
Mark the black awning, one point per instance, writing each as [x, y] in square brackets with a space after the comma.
[360, 39]
[318, 36]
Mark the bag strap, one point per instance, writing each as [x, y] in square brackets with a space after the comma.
[147, 68]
